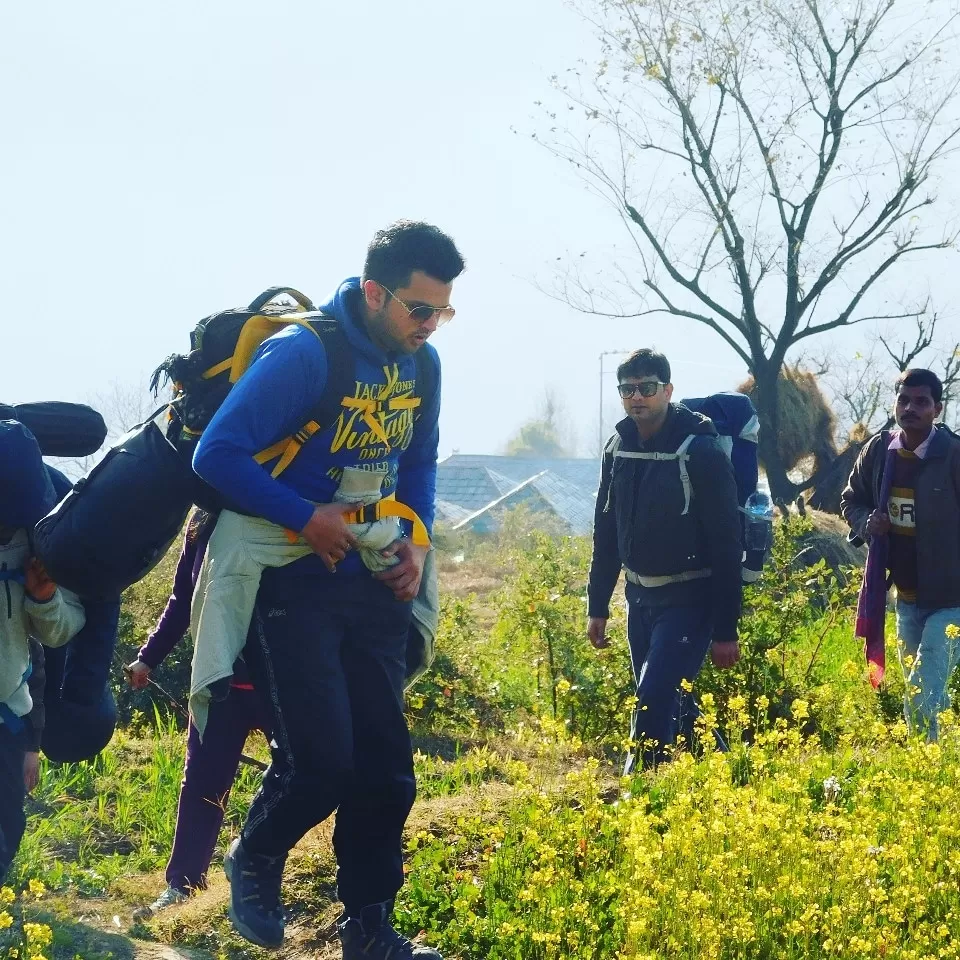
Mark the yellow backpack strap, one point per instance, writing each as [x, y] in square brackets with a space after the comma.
[253, 333]
[388, 507]
[271, 452]
[217, 368]
[288, 448]
[404, 403]
[392, 508]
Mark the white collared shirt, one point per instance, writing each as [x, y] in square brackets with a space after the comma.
[921, 451]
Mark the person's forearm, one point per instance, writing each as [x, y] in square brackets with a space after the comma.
[605, 569]
[727, 597]
[250, 488]
[57, 621]
[175, 619]
[603, 580]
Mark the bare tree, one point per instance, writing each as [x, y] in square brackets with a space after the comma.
[856, 388]
[773, 161]
[906, 354]
[860, 388]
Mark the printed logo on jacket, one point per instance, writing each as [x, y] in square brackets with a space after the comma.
[378, 419]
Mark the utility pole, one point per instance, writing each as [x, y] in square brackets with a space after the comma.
[600, 437]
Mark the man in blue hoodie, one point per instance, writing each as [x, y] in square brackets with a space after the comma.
[327, 641]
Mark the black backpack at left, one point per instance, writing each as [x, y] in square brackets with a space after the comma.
[61, 429]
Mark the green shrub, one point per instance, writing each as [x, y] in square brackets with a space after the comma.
[796, 633]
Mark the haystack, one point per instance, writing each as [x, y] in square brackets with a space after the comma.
[806, 422]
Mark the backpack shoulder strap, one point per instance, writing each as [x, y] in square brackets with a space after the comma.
[681, 455]
[340, 372]
[254, 331]
[340, 376]
[610, 449]
[428, 381]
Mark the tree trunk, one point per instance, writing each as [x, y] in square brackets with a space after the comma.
[826, 494]
[767, 401]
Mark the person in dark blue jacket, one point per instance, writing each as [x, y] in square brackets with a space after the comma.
[667, 516]
[327, 640]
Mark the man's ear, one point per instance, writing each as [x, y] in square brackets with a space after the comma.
[938, 409]
[668, 391]
[374, 295]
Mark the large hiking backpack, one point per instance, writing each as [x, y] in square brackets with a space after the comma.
[221, 348]
[118, 522]
[735, 417]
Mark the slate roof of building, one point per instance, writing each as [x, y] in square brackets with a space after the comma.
[474, 480]
[479, 485]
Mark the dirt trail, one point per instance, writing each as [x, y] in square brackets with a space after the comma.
[160, 951]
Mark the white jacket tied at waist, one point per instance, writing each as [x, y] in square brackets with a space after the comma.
[226, 592]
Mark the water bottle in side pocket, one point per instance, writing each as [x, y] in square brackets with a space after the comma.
[758, 529]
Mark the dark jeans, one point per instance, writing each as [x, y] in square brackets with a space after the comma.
[80, 709]
[208, 776]
[329, 654]
[667, 645]
[13, 821]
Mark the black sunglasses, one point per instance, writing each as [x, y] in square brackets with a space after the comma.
[648, 388]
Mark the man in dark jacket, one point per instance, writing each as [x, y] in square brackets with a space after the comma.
[667, 515]
[922, 521]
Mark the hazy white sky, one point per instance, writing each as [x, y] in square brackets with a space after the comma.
[162, 161]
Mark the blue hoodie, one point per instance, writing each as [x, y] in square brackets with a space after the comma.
[272, 400]
[26, 493]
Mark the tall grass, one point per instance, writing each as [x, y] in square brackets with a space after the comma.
[92, 822]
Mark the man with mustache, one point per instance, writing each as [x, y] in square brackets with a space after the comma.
[921, 519]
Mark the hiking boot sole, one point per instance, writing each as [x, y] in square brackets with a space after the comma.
[250, 935]
[246, 932]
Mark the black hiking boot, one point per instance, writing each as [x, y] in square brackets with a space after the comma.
[255, 907]
[371, 937]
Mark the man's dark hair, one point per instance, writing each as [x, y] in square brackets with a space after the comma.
[408, 245]
[645, 363]
[918, 377]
